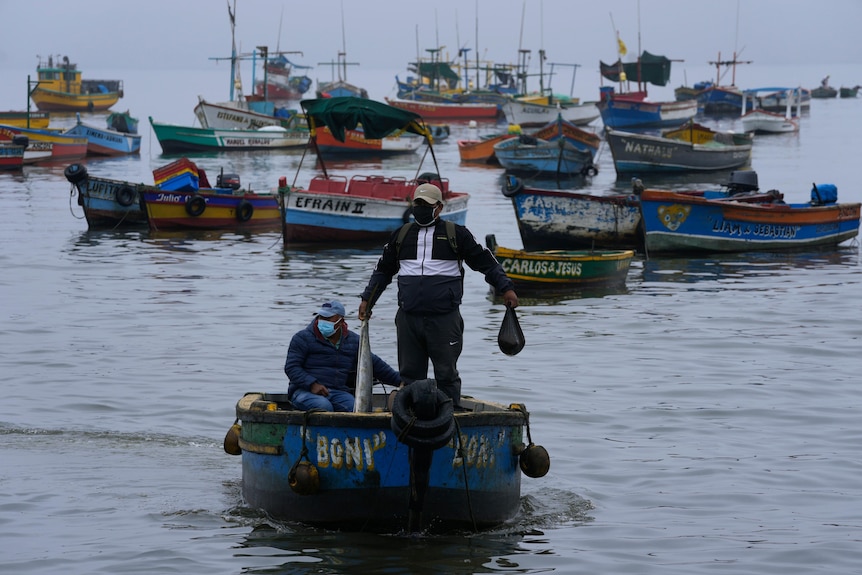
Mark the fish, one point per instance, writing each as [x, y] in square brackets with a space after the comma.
[364, 371]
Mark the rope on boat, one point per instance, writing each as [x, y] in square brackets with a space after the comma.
[463, 457]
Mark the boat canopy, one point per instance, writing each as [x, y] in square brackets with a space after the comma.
[435, 71]
[649, 68]
[377, 119]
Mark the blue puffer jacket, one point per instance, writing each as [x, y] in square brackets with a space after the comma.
[311, 357]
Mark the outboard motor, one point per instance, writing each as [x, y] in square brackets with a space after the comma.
[742, 182]
[228, 181]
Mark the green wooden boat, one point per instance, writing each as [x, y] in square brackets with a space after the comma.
[553, 269]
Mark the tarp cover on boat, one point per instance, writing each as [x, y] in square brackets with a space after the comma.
[435, 71]
[653, 69]
[377, 119]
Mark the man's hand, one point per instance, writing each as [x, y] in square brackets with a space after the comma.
[363, 306]
[511, 299]
[318, 389]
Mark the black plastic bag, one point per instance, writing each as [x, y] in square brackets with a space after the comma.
[511, 338]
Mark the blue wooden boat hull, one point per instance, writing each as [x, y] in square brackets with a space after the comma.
[364, 470]
[555, 219]
[311, 216]
[628, 114]
[547, 157]
[674, 223]
[717, 100]
[107, 203]
[107, 142]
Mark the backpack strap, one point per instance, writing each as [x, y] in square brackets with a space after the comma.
[450, 235]
[399, 239]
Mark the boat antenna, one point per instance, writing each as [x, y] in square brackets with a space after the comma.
[621, 50]
[233, 65]
[478, 83]
[343, 44]
[278, 39]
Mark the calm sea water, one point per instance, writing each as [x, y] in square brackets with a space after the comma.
[705, 419]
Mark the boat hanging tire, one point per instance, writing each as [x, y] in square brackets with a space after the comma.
[512, 186]
[75, 173]
[590, 170]
[195, 205]
[244, 211]
[432, 432]
[125, 196]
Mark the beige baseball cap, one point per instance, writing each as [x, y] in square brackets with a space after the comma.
[428, 193]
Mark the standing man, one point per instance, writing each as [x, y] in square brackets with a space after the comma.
[428, 256]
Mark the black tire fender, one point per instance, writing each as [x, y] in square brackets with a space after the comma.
[195, 205]
[512, 186]
[415, 432]
[75, 173]
[125, 196]
[244, 211]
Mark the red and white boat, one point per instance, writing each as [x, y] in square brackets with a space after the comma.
[448, 111]
[46, 145]
[12, 153]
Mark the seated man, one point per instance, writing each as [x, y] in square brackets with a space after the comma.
[321, 363]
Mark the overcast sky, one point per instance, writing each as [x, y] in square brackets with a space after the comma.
[386, 34]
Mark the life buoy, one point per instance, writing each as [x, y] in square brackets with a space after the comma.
[125, 196]
[430, 432]
[512, 186]
[244, 211]
[75, 173]
[195, 205]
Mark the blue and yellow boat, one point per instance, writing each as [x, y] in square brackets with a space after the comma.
[386, 469]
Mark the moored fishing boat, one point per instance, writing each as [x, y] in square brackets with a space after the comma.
[176, 139]
[184, 199]
[62, 89]
[333, 208]
[12, 153]
[559, 219]
[676, 222]
[448, 110]
[356, 144]
[392, 468]
[556, 269]
[25, 119]
[107, 203]
[106, 141]
[532, 114]
[45, 146]
[689, 148]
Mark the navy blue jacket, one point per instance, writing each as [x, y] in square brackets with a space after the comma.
[430, 274]
[311, 357]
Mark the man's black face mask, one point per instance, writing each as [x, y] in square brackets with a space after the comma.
[423, 213]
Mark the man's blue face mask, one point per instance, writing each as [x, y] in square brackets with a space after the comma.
[328, 328]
